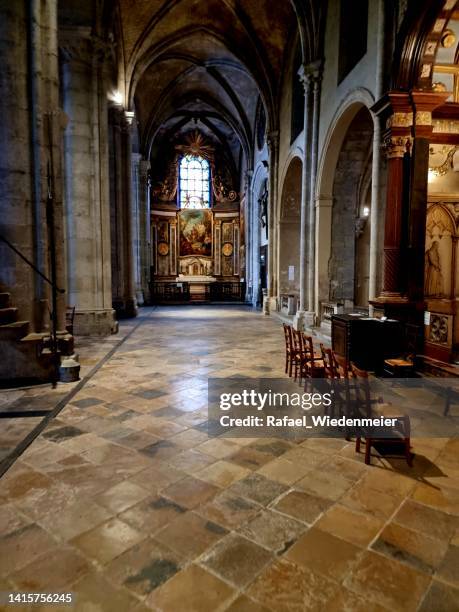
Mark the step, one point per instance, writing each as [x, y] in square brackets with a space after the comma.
[4, 300]
[8, 315]
[14, 331]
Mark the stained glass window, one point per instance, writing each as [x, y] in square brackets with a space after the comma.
[194, 185]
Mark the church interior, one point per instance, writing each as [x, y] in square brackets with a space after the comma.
[233, 190]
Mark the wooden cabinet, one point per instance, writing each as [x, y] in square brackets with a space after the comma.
[366, 341]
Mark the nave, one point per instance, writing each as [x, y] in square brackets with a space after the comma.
[126, 500]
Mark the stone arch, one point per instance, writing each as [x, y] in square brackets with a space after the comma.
[290, 228]
[359, 100]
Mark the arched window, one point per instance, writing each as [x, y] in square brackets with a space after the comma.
[194, 182]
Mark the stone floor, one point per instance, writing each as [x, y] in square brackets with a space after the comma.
[125, 500]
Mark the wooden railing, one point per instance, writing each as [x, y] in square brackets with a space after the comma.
[227, 292]
[164, 292]
[169, 293]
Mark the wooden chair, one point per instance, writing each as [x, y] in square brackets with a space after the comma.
[364, 407]
[313, 365]
[298, 355]
[327, 358]
[288, 349]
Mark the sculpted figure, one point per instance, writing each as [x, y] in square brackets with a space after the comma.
[433, 274]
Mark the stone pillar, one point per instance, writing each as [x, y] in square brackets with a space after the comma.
[123, 271]
[310, 76]
[316, 79]
[145, 228]
[136, 240]
[374, 210]
[273, 220]
[324, 207]
[31, 125]
[22, 219]
[305, 184]
[249, 237]
[87, 206]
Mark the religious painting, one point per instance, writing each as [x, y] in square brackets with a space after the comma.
[163, 231]
[195, 232]
[227, 232]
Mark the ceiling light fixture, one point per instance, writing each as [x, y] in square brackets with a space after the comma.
[116, 97]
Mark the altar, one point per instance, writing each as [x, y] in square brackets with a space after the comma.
[199, 286]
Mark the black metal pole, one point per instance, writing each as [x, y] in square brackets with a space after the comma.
[29, 263]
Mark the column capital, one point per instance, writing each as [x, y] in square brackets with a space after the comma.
[397, 146]
[311, 75]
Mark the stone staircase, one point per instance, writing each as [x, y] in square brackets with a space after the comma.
[25, 358]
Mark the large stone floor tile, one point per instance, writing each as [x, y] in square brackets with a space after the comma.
[236, 560]
[388, 583]
[286, 587]
[107, 541]
[190, 535]
[324, 553]
[180, 593]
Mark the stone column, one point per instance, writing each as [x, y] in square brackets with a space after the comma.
[123, 270]
[305, 184]
[87, 206]
[324, 207]
[310, 76]
[249, 237]
[22, 220]
[374, 210]
[136, 240]
[145, 227]
[273, 221]
[31, 125]
[316, 79]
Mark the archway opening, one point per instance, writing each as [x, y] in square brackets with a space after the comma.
[289, 231]
[350, 236]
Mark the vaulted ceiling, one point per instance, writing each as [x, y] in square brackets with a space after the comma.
[183, 64]
[188, 63]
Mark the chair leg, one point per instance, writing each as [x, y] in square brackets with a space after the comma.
[357, 444]
[286, 363]
[367, 451]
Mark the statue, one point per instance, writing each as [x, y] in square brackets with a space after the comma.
[433, 274]
[263, 203]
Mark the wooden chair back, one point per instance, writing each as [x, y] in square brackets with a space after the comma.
[362, 390]
[287, 336]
